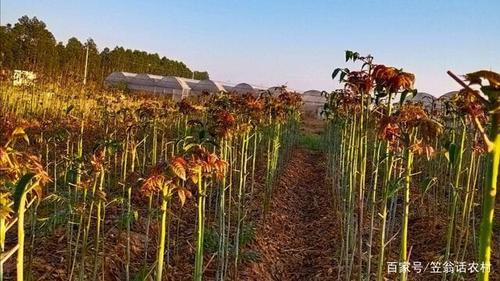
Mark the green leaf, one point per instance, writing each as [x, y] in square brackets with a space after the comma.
[355, 56]
[202, 134]
[404, 94]
[428, 183]
[336, 72]
[343, 74]
[348, 55]
[452, 153]
[395, 186]
[491, 92]
[21, 189]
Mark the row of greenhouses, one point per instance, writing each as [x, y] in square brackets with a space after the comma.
[180, 87]
[177, 86]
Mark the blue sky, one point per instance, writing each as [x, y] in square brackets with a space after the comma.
[297, 43]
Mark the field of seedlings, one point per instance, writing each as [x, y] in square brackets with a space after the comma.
[413, 185]
[104, 184]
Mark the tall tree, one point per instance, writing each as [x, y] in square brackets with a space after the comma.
[29, 45]
[34, 45]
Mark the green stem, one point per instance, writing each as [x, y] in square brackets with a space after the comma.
[489, 194]
[385, 192]
[20, 238]
[403, 258]
[163, 225]
[455, 189]
[198, 268]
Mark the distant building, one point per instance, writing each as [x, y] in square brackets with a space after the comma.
[244, 88]
[169, 85]
[23, 78]
[427, 100]
[314, 102]
[207, 85]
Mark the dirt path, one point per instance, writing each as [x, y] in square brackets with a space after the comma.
[298, 238]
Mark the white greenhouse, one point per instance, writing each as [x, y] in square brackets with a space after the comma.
[314, 102]
[244, 88]
[157, 84]
[275, 91]
[207, 85]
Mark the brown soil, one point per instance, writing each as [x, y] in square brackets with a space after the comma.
[297, 239]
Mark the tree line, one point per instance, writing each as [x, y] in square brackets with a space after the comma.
[29, 45]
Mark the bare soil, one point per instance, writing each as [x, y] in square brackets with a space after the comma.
[297, 239]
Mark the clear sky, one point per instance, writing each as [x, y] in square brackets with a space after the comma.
[297, 43]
